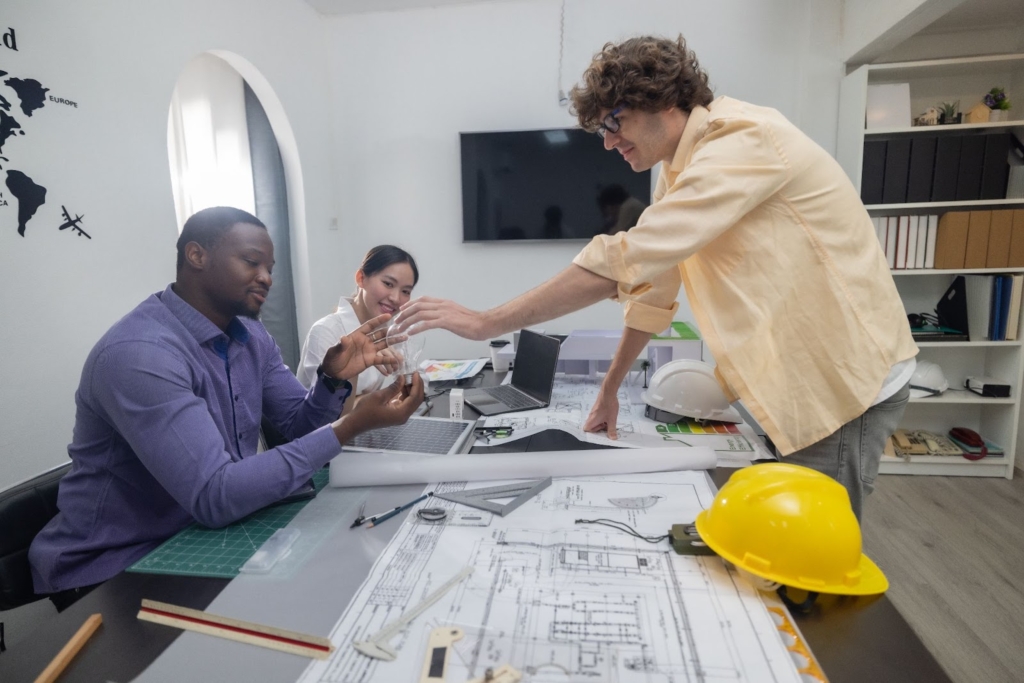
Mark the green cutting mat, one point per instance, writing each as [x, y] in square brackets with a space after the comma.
[201, 551]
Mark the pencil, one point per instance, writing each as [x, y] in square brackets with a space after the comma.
[388, 515]
[68, 652]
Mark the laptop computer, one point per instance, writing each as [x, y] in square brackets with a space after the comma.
[430, 435]
[533, 378]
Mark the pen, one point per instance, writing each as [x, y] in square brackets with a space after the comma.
[359, 516]
[388, 515]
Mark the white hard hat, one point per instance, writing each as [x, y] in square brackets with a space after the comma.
[688, 388]
[927, 380]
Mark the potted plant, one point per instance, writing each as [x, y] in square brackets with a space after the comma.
[999, 104]
[950, 112]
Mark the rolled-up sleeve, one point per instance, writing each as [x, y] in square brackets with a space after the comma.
[735, 166]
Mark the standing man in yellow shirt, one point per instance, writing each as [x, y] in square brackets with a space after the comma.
[780, 261]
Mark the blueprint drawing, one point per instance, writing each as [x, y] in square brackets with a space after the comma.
[563, 601]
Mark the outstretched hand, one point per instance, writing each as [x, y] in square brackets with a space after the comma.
[604, 414]
[365, 347]
[427, 313]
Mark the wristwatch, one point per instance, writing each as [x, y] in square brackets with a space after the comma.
[331, 383]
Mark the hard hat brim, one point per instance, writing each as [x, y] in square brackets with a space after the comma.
[872, 580]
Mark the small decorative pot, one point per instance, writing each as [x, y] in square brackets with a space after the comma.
[999, 115]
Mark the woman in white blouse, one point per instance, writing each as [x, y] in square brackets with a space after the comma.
[384, 282]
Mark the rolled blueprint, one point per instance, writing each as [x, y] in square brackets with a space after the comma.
[360, 468]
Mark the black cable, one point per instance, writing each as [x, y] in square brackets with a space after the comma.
[620, 526]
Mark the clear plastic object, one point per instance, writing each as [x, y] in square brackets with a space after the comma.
[409, 345]
[273, 549]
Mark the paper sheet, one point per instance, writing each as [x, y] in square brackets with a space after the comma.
[573, 396]
[360, 468]
[447, 370]
[562, 601]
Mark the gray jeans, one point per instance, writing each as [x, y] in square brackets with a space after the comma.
[851, 455]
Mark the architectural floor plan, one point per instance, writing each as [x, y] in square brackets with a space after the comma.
[561, 600]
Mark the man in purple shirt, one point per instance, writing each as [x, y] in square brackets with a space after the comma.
[169, 408]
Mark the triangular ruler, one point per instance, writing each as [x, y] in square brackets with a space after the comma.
[481, 499]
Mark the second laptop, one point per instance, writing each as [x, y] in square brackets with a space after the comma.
[533, 378]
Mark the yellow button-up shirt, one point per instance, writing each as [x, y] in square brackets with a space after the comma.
[781, 265]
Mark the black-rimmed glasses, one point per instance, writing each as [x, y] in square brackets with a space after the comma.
[610, 123]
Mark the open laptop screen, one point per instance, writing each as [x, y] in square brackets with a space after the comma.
[536, 359]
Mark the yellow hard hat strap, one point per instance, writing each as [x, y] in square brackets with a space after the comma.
[799, 607]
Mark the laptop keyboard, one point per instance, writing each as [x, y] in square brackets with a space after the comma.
[416, 435]
[512, 397]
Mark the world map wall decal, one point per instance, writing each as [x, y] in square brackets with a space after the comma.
[28, 193]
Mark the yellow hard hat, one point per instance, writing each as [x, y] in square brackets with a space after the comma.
[792, 525]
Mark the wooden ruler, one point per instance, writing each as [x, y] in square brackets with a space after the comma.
[68, 652]
[235, 629]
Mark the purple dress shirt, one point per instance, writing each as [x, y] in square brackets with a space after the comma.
[167, 422]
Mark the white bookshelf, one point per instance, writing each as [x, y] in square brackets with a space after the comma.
[932, 82]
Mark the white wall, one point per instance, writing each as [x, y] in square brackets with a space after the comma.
[107, 159]
[406, 83]
[872, 27]
[375, 104]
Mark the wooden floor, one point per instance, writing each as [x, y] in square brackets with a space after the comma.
[953, 549]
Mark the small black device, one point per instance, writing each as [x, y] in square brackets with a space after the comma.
[988, 386]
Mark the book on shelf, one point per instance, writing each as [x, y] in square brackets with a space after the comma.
[1016, 256]
[993, 306]
[1016, 294]
[993, 450]
[912, 242]
[892, 228]
[897, 169]
[922, 169]
[933, 232]
[908, 241]
[999, 233]
[935, 333]
[947, 167]
[996, 169]
[901, 242]
[872, 172]
[951, 242]
[972, 159]
[976, 250]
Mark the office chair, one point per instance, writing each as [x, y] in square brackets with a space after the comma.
[25, 509]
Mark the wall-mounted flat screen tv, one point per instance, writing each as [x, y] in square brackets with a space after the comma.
[556, 184]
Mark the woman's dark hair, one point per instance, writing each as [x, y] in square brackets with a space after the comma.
[647, 74]
[208, 226]
[384, 255]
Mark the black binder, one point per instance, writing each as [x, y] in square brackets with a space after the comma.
[996, 168]
[922, 167]
[947, 163]
[897, 168]
[972, 158]
[873, 172]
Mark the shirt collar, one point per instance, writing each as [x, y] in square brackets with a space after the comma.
[694, 129]
[198, 325]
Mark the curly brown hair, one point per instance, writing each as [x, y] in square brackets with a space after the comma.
[647, 73]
